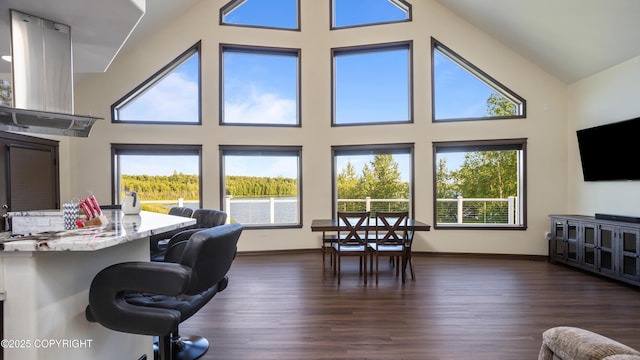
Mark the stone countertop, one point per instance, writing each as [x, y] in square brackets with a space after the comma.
[120, 229]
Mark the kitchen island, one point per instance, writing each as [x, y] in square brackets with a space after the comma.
[45, 280]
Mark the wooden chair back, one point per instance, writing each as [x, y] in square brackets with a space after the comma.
[357, 224]
[391, 227]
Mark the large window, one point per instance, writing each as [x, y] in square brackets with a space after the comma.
[163, 175]
[373, 178]
[372, 84]
[170, 96]
[277, 14]
[260, 86]
[349, 13]
[261, 185]
[461, 91]
[480, 184]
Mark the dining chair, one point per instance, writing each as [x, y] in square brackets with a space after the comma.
[327, 244]
[391, 239]
[351, 241]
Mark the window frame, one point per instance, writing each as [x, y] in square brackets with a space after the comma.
[118, 149]
[372, 149]
[234, 4]
[401, 3]
[260, 50]
[478, 73]
[483, 145]
[372, 48]
[152, 80]
[259, 150]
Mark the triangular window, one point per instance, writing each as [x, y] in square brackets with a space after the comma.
[277, 14]
[171, 95]
[350, 13]
[461, 91]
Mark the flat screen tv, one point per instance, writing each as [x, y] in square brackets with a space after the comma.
[611, 152]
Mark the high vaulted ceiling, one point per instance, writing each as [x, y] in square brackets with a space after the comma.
[570, 39]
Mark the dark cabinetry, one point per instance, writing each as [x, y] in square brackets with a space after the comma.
[609, 248]
[28, 174]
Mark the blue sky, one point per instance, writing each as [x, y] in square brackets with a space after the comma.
[267, 166]
[174, 98]
[359, 161]
[158, 165]
[262, 88]
[271, 13]
[372, 86]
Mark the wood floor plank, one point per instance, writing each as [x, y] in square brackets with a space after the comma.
[279, 307]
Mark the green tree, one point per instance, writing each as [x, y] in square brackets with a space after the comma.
[348, 182]
[379, 179]
[488, 174]
[498, 105]
[447, 185]
[386, 183]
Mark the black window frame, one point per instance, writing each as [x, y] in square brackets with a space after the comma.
[372, 149]
[154, 150]
[332, 15]
[478, 73]
[483, 145]
[373, 48]
[248, 150]
[150, 81]
[233, 4]
[260, 50]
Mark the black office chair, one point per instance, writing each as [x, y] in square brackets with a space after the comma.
[153, 298]
[154, 240]
[205, 218]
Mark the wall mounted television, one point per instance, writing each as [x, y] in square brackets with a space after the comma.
[611, 152]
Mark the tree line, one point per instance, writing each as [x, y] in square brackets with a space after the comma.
[255, 186]
[163, 187]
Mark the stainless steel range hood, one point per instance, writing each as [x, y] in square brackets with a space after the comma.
[42, 73]
[45, 122]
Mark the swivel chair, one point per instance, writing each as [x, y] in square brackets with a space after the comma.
[153, 298]
[155, 239]
[205, 218]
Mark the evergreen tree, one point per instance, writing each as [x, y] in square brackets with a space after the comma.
[348, 183]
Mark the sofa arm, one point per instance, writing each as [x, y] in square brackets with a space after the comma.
[571, 343]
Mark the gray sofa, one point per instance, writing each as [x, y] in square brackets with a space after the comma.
[571, 343]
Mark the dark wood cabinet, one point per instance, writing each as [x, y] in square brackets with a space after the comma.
[29, 174]
[609, 248]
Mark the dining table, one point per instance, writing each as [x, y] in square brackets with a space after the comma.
[329, 225]
[333, 225]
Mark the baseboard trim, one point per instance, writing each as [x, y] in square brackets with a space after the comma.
[414, 253]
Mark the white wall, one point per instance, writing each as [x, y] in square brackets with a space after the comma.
[609, 96]
[545, 130]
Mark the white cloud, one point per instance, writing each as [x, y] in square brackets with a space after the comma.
[260, 108]
[174, 98]
[266, 166]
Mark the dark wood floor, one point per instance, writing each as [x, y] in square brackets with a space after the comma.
[279, 307]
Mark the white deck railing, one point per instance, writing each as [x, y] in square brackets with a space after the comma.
[478, 210]
[285, 210]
